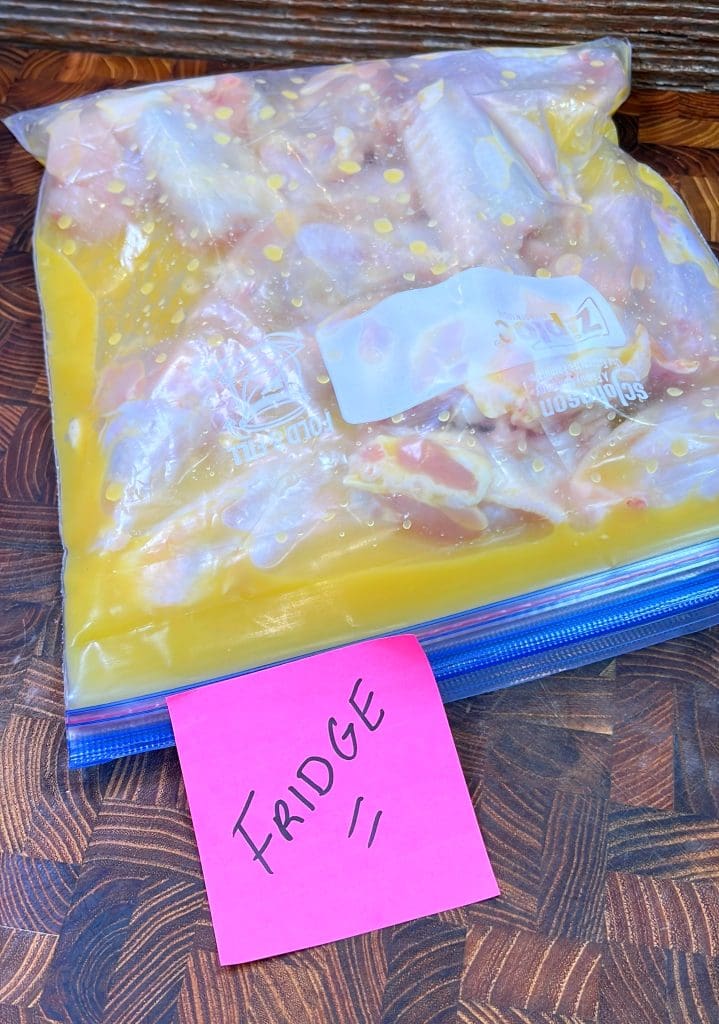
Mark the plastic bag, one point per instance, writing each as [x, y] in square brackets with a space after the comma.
[339, 351]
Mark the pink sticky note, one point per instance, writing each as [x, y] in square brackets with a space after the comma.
[327, 799]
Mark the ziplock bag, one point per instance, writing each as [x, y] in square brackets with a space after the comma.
[336, 352]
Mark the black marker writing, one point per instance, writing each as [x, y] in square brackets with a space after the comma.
[316, 775]
[355, 816]
[257, 850]
[349, 733]
[283, 819]
[304, 777]
[362, 712]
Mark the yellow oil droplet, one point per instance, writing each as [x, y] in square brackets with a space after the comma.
[403, 197]
[652, 466]
[275, 181]
[193, 265]
[596, 478]
[439, 268]
[281, 538]
[147, 288]
[151, 176]
[537, 465]
[674, 392]
[596, 63]
[224, 113]
[418, 247]
[543, 272]
[116, 186]
[322, 378]
[113, 492]
[289, 94]
[383, 226]
[393, 175]
[296, 302]
[127, 201]
[409, 276]
[267, 112]
[507, 219]
[638, 279]
[297, 80]
[509, 75]
[328, 516]
[679, 447]
[221, 138]
[274, 253]
[148, 227]
[350, 167]
[406, 524]
[444, 416]
[177, 317]
[575, 429]
[114, 338]
[215, 338]
[194, 233]
[161, 357]
[708, 403]
[64, 222]
[471, 443]
[69, 247]
[293, 185]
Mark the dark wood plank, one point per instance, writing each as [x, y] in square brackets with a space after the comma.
[674, 46]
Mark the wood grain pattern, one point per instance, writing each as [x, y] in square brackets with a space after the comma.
[598, 791]
[674, 45]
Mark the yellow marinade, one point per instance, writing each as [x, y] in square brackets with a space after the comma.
[337, 351]
[117, 647]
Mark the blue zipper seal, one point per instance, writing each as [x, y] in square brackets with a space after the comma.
[489, 648]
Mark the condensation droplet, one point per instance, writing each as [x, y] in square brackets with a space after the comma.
[114, 492]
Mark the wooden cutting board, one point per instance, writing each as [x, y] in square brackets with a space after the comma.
[598, 790]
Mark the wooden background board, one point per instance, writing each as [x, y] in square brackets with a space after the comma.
[675, 44]
[598, 791]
